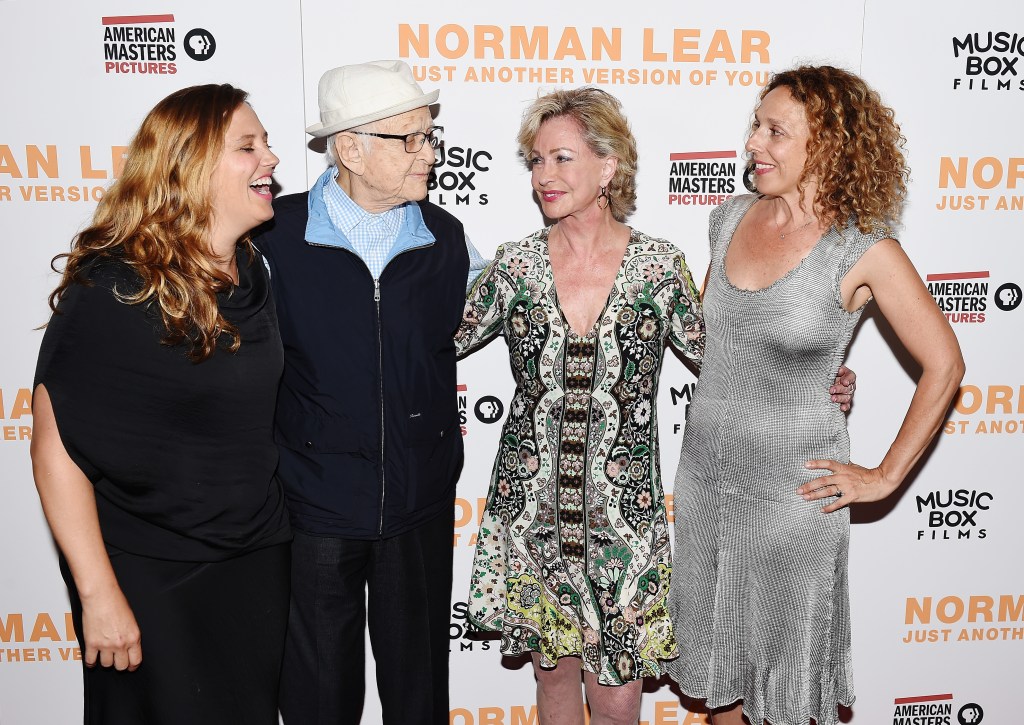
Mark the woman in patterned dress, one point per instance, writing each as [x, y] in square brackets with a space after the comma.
[759, 599]
[572, 561]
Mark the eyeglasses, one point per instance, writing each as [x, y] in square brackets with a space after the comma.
[413, 141]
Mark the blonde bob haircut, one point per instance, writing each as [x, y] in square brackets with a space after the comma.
[156, 218]
[605, 130]
[855, 148]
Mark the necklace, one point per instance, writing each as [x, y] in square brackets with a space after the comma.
[783, 235]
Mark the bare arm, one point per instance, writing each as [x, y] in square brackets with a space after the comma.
[886, 273]
[110, 632]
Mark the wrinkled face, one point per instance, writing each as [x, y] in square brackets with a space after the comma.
[778, 143]
[392, 175]
[566, 175]
[240, 184]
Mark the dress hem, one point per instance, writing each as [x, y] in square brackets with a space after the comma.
[661, 671]
[695, 694]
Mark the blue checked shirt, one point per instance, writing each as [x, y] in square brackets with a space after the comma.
[374, 235]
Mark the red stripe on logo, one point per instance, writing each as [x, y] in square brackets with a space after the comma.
[702, 155]
[956, 275]
[137, 19]
[921, 698]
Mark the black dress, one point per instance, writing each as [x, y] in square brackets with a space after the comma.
[183, 462]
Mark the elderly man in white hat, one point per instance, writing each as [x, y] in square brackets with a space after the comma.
[369, 281]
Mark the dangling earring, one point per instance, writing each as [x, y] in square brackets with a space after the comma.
[603, 195]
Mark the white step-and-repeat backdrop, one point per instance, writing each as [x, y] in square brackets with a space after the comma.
[937, 582]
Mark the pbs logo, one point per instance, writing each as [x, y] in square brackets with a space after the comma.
[488, 409]
[1008, 296]
[970, 714]
[200, 44]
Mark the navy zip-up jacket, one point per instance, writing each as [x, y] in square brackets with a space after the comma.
[367, 419]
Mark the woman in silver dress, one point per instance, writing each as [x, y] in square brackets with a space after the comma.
[759, 596]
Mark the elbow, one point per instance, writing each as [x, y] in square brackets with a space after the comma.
[40, 464]
[959, 369]
[951, 372]
[35, 454]
[956, 367]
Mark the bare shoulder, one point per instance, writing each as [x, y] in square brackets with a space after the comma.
[885, 253]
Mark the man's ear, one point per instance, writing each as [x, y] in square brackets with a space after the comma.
[350, 153]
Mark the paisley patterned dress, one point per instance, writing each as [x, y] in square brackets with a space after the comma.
[573, 555]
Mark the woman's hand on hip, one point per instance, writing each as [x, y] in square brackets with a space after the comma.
[848, 483]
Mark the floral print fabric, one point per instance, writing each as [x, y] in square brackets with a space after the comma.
[573, 555]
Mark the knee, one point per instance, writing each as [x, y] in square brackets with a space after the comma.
[615, 705]
[558, 682]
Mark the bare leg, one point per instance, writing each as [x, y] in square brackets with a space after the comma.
[559, 695]
[613, 705]
[729, 716]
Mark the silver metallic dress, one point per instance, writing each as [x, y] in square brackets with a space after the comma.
[759, 597]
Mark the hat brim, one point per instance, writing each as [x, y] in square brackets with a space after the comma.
[319, 130]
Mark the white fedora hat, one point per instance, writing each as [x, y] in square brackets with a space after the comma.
[356, 94]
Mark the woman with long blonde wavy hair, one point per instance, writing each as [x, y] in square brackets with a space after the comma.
[152, 450]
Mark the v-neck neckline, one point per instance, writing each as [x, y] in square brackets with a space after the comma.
[611, 290]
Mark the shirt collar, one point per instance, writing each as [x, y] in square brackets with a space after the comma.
[352, 215]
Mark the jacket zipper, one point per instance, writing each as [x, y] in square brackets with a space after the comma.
[380, 371]
[380, 362]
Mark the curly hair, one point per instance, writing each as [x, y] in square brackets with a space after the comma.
[605, 130]
[157, 216]
[855, 149]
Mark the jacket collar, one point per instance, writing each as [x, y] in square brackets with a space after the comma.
[320, 230]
